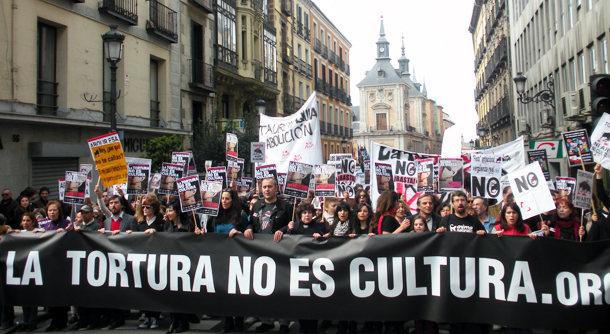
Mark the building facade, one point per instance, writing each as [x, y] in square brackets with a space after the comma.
[489, 27]
[395, 109]
[562, 41]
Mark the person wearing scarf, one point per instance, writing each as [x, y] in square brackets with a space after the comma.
[563, 224]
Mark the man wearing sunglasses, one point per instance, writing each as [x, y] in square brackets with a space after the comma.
[8, 205]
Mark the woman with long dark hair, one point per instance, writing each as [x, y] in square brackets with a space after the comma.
[23, 206]
[511, 222]
[364, 215]
[385, 214]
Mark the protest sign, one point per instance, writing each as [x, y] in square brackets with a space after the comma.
[578, 141]
[182, 158]
[210, 194]
[600, 141]
[218, 174]
[169, 174]
[137, 179]
[257, 152]
[584, 189]
[190, 193]
[292, 138]
[367, 171]
[531, 192]
[425, 175]
[541, 157]
[325, 177]
[155, 181]
[232, 171]
[62, 189]
[339, 156]
[240, 170]
[384, 177]
[120, 190]
[232, 147]
[452, 143]
[244, 186]
[565, 186]
[109, 159]
[485, 173]
[405, 176]
[281, 181]
[450, 175]
[346, 180]
[86, 168]
[298, 179]
[76, 183]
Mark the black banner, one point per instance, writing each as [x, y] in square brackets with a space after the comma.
[449, 277]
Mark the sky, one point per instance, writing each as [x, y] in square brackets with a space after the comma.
[437, 43]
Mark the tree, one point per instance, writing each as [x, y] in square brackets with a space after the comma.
[160, 149]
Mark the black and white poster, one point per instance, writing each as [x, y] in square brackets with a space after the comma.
[425, 175]
[137, 179]
[565, 186]
[405, 177]
[76, 183]
[346, 178]
[600, 141]
[485, 174]
[182, 158]
[61, 183]
[531, 192]
[243, 187]
[232, 147]
[584, 189]
[257, 152]
[265, 172]
[218, 174]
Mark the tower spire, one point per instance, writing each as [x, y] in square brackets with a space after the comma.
[382, 43]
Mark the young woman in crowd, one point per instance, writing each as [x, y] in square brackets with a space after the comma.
[363, 197]
[364, 215]
[565, 222]
[29, 223]
[23, 206]
[444, 209]
[385, 214]
[343, 222]
[330, 206]
[511, 222]
[402, 211]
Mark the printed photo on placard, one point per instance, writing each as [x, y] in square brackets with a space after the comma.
[576, 141]
[182, 158]
[325, 177]
[243, 187]
[385, 181]
[232, 171]
[76, 183]
[405, 177]
[367, 171]
[218, 174]
[425, 175]
[565, 187]
[190, 193]
[86, 168]
[137, 179]
[61, 183]
[450, 174]
[155, 181]
[298, 179]
[541, 157]
[584, 189]
[211, 192]
[281, 181]
[257, 152]
[169, 174]
[231, 147]
[240, 170]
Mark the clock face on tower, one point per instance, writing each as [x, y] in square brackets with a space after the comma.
[381, 49]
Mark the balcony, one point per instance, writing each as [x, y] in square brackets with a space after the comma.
[226, 58]
[319, 85]
[288, 102]
[162, 21]
[309, 72]
[206, 5]
[307, 36]
[303, 67]
[299, 28]
[287, 52]
[126, 10]
[331, 57]
[298, 103]
[287, 7]
[341, 64]
[324, 51]
[322, 127]
[154, 113]
[270, 78]
[496, 62]
[257, 66]
[347, 68]
[46, 98]
[335, 129]
[349, 101]
[341, 129]
[500, 114]
[317, 45]
[331, 92]
[351, 133]
[202, 75]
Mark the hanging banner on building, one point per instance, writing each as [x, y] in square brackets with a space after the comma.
[298, 180]
[584, 189]
[576, 141]
[600, 141]
[155, 181]
[451, 174]
[531, 192]
[190, 193]
[257, 152]
[293, 138]
[218, 174]
[325, 177]
[425, 175]
[541, 157]
[232, 147]
[485, 173]
[565, 186]
[62, 189]
[210, 194]
[137, 179]
[107, 153]
[169, 174]
[441, 277]
[86, 168]
[76, 184]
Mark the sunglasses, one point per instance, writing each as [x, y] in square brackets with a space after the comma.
[5, 194]
[146, 206]
[362, 196]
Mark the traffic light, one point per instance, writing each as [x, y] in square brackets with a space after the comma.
[600, 94]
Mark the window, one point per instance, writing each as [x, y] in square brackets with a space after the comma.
[270, 62]
[46, 97]
[564, 78]
[324, 118]
[592, 60]
[604, 55]
[563, 26]
[227, 37]
[570, 15]
[154, 93]
[589, 4]
[307, 91]
[581, 67]
[572, 75]
[382, 123]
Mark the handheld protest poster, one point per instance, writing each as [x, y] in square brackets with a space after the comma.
[86, 168]
[62, 189]
[565, 187]
[578, 147]
[452, 143]
[107, 153]
[137, 179]
[405, 177]
[244, 186]
[384, 177]
[531, 192]
[298, 179]
[88, 189]
[485, 175]
[584, 190]
[541, 157]
[155, 181]
[451, 174]
[367, 171]
[218, 174]
[190, 193]
[169, 174]
[425, 175]
[265, 172]
[232, 171]
[600, 141]
[257, 152]
[281, 181]
[231, 144]
[76, 183]
[346, 178]
[325, 177]
[192, 165]
[210, 194]
[240, 168]
[182, 158]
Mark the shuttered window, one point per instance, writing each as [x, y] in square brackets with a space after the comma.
[46, 172]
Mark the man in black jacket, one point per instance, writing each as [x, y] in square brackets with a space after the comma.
[425, 205]
[8, 205]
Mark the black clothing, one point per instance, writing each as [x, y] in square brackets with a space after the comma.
[280, 216]
[7, 208]
[389, 224]
[436, 222]
[365, 230]
[158, 224]
[17, 215]
[468, 224]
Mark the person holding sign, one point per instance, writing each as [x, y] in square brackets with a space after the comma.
[511, 222]
[564, 224]
[600, 228]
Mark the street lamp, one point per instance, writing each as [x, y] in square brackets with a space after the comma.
[482, 131]
[113, 49]
[471, 144]
[260, 106]
[343, 144]
[547, 96]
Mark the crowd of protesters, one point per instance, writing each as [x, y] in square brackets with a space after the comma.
[249, 216]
